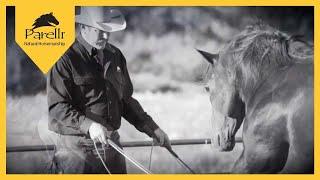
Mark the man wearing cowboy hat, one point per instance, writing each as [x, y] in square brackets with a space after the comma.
[89, 90]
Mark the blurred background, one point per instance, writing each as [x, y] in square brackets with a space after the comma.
[166, 70]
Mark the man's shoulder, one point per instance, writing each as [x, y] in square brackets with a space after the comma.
[112, 48]
[65, 60]
[70, 54]
[116, 51]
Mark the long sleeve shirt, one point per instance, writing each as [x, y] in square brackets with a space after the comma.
[81, 91]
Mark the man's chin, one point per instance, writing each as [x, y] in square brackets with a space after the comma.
[100, 45]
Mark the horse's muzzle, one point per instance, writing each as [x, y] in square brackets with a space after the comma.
[225, 137]
[226, 145]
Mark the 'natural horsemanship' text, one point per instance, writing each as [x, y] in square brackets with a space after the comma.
[44, 43]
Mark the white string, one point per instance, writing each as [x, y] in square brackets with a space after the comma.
[104, 151]
[137, 164]
[103, 163]
[150, 158]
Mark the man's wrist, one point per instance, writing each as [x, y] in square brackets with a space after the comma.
[85, 125]
[148, 131]
[152, 125]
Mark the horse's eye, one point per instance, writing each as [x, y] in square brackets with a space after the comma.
[207, 88]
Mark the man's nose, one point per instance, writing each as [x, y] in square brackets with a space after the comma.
[104, 35]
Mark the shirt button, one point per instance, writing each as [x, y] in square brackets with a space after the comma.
[109, 102]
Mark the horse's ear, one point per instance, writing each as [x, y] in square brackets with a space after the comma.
[211, 58]
[299, 48]
[51, 13]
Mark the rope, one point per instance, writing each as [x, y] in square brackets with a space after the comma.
[103, 163]
[137, 164]
[150, 157]
[104, 151]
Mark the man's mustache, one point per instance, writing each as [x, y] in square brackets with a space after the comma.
[102, 42]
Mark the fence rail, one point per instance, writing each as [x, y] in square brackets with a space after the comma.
[126, 144]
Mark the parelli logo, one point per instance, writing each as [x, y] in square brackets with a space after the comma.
[45, 31]
[45, 20]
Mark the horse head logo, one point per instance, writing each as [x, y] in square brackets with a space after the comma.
[45, 20]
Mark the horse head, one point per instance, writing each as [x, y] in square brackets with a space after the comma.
[228, 110]
[45, 20]
[51, 19]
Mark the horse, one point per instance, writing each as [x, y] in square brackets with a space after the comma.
[45, 20]
[263, 79]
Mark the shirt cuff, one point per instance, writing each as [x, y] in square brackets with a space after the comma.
[85, 125]
[152, 125]
[149, 130]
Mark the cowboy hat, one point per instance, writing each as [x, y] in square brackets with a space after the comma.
[104, 19]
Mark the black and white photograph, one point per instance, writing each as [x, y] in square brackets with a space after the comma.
[166, 90]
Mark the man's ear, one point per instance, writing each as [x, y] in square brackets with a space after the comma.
[83, 29]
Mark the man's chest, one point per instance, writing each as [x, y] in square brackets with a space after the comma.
[90, 76]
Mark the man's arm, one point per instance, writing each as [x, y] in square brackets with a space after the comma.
[64, 118]
[136, 116]
[132, 110]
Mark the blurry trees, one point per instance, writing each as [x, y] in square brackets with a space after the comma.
[162, 20]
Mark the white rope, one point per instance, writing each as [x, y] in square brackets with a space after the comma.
[117, 148]
[102, 161]
[150, 157]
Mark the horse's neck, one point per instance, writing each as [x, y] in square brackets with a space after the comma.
[296, 76]
[250, 92]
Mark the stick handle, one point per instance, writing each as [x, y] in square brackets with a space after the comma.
[180, 160]
[127, 144]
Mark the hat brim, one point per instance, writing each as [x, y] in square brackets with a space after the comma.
[112, 26]
[112, 22]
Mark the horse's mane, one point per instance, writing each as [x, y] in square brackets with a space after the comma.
[38, 19]
[261, 39]
[260, 49]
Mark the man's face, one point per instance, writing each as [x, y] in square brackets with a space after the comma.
[95, 37]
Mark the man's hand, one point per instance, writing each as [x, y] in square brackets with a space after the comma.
[98, 133]
[162, 138]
